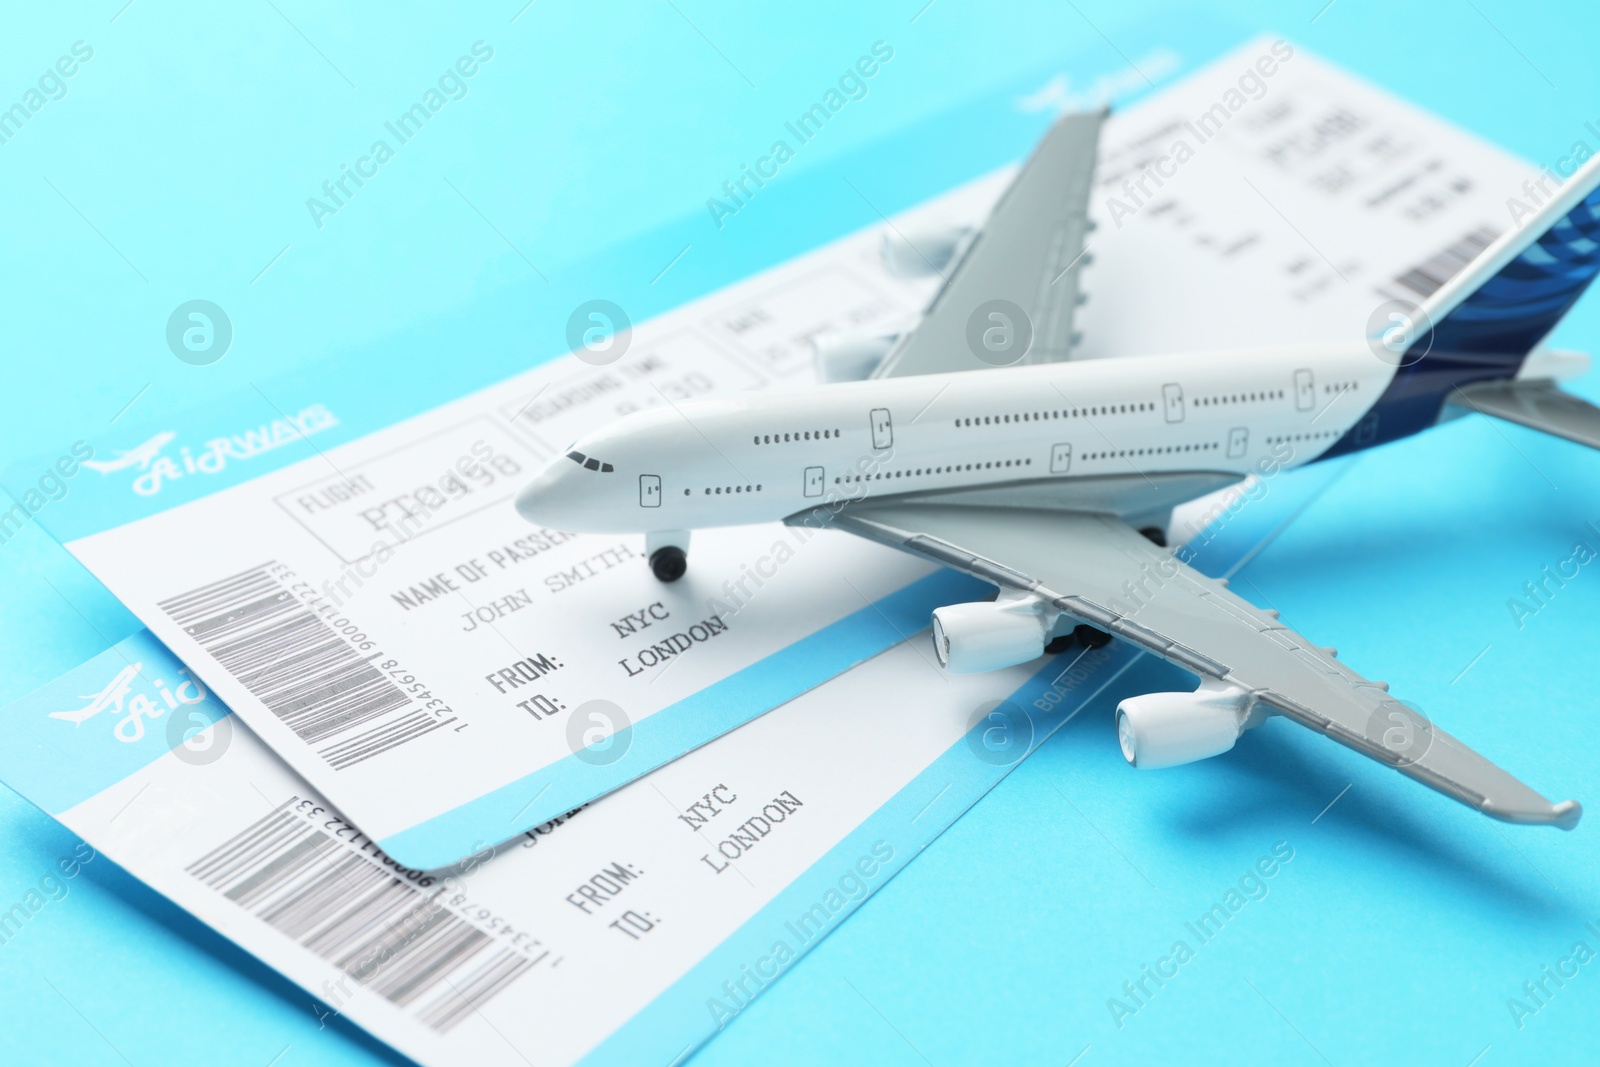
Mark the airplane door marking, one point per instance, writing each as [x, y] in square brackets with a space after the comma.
[1305, 390]
[1367, 429]
[813, 481]
[1060, 458]
[1172, 401]
[649, 490]
[1238, 441]
[882, 429]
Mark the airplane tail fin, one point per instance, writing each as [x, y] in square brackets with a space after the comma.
[1500, 307]
[1487, 320]
[1482, 324]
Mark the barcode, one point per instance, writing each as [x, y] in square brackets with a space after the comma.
[1424, 279]
[299, 667]
[381, 930]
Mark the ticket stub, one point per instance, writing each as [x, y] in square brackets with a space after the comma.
[629, 930]
[381, 618]
[543, 948]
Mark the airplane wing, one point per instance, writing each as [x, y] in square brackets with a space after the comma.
[1536, 404]
[1011, 296]
[1097, 569]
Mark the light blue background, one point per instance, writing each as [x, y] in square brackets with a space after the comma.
[190, 143]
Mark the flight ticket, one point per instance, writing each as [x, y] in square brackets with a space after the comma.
[627, 930]
[381, 618]
[633, 927]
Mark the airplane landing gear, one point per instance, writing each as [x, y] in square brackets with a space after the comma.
[669, 563]
[668, 552]
[1082, 634]
[1091, 637]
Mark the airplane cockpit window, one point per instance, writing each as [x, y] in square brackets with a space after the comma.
[590, 463]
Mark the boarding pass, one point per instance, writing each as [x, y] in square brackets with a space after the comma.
[449, 676]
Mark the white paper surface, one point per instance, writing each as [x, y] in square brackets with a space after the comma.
[412, 629]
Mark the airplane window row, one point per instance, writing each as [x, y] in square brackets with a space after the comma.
[1304, 436]
[1063, 413]
[1123, 453]
[1339, 387]
[718, 490]
[1237, 398]
[785, 438]
[954, 468]
[590, 463]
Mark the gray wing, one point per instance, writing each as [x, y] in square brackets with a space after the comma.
[1536, 404]
[1028, 254]
[1098, 570]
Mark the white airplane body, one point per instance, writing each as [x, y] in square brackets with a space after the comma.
[979, 443]
[759, 457]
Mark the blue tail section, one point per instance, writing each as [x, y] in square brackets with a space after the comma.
[1482, 323]
[1518, 307]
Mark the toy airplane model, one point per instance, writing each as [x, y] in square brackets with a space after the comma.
[977, 443]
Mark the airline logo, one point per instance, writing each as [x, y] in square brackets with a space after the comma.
[155, 467]
[141, 456]
[132, 710]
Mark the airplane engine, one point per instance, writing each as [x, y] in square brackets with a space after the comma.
[1170, 729]
[970, 638]
[853, 358]
[922, 253]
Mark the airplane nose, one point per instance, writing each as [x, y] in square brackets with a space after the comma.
[540, 500]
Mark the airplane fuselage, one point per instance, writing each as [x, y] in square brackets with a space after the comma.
[1015, 434]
